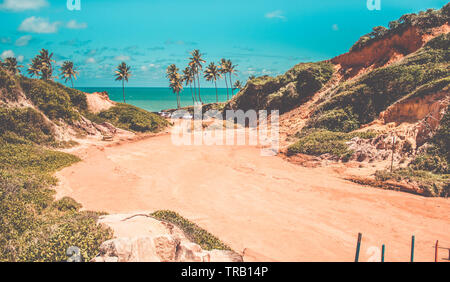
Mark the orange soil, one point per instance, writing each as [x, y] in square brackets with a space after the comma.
[273, 209]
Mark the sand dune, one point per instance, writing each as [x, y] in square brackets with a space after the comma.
[273, 209]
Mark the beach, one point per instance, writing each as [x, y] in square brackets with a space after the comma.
[263, 207]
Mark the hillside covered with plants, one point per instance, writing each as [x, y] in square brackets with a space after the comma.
[33, 225]
[333, 122]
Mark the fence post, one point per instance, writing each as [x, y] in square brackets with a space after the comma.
[436, 251]
[382, 253]
[358, 246]
[412, 248]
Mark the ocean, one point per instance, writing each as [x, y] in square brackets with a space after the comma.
[155, 99]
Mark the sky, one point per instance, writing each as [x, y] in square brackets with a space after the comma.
[261, 37]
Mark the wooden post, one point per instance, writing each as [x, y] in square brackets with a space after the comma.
[382, 252]
[412, 248]
[358, 246]
[436, 251]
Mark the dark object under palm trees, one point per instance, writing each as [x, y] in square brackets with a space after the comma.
[212, 73]
[68, 72]
[11, 65]
[196, 64]
[123, 73]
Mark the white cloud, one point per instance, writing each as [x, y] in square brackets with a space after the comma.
[22, 5]
[20, 58]
[38, 25]
[148, 67]
[23, 40]
[5, 40]
[7, 54]
[335, 27]
[90, 60]
[73, 24]
[278, 14]
[122, 58]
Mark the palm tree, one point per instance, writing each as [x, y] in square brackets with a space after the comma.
[176, 83]
[68, 72]
[238, 85]
[212, 73]
[10, 65]
[193, 68]
[224, 70]
[197, 60]
[45, 60]
[231, 70]
[35, 67]
[171, 71]
[188, 77]
[123, 73]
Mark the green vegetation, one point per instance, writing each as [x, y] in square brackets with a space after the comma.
[430, 169]
[24, 125]
[52, 100]
[132, 118]
[318, 142]
[434, 185]
[192, 231]
[9, 88]
[286, 91]
[424, 20]
[359, 102]
[33, 226]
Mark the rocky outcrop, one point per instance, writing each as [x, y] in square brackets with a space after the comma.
[99, 101]
[141, 238]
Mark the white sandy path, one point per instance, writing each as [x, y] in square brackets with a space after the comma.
[265, 204]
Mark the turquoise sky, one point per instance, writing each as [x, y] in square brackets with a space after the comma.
[261, 37]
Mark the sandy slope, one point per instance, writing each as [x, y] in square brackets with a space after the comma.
[274, 209]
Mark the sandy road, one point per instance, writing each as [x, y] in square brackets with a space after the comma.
[263, 204]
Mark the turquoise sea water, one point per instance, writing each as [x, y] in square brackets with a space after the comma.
[155, 99]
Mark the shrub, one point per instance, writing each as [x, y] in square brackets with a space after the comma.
[319, 142]
[22, 125]
[434, 185]
[192, 231]
[66, 204]
[50, 99]
[129, 117]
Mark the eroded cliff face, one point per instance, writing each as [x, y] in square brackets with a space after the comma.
[386, 51]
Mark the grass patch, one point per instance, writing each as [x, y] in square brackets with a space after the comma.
[33, 226]
[24, 125]
[319, 142]
[193, 232]
[434, 185]
[132, 118]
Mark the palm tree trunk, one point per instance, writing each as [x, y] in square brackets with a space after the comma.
[71, 80]
[178, 100]
[123, 91]
[226, 83]
[217, 96]
[192, 94]
[231, 86]
[199, 96]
